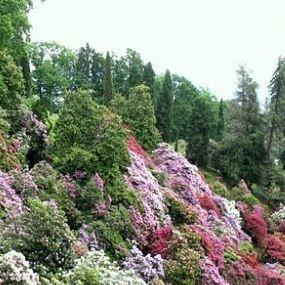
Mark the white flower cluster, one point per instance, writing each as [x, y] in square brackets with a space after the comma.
[109, 272]
[14, 269]
[277, 218]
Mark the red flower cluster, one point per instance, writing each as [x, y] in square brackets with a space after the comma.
[268, 277]
[135, 147]
[255, 223]
[208, 204]
[275, 248]
[160, 241]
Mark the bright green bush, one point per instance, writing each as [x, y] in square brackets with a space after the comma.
[179, 212]
[138, 114]
[89, 138]
[43, 237]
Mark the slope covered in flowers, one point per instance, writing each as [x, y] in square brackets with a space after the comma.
[169, 228]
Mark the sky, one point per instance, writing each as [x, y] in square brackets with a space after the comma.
[203, 40]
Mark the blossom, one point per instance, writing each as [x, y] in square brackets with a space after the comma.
[98, 181]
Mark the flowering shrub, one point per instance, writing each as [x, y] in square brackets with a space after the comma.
[14, 269]
[268, 277]
[89, 239]
[255, 223]
[9, 200]
[147, 267]
[8, 154]
[184, 267]
[109, 272]
[275, 248]
[209, 204]
[43, 237]
[213, 246]
[277, 219]
[211, 273]
[239, 273]
[160, 241]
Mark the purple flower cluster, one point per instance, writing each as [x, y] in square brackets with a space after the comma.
[70, 186]
[147, 267]
[9, 200]
[89, 239]
[98, 181]
[33, 125]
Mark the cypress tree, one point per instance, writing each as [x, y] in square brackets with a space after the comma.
[149, 79]
[221, 121]
[108, 91]
[165, 108]
[277, 103]
[199, 128]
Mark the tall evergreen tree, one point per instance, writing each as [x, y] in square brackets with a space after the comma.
[149, 79]
[199, 128]
[165, 108]
[221, 121]
[242, 152]
[135, 68]
[276, 114]
[108, 91]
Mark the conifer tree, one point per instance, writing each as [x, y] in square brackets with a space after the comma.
[199, 128]
[108, 91]
[149, 79]
[221, 121]
[165, 108]
[276, 104]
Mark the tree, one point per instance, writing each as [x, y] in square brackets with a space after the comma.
[138, 114]
[108, 91]
[221, 121]
[199, 128]
[185, 94]
[135, 65]
[276, 105]
[11, 84]
[53, 75]
[88, 137]
[241, 153]
[165, 108]
[149, 79]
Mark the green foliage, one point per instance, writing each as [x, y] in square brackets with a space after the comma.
[138, 113]
[86, 276]
[179, 212]
[164, 110]
[135, 66]
[184, 93]
[184, 267]
[11, 84]
[221, 121]
[43, 237]
[199, 131]
[230, 255]
[149, 80]
[89, 138]
[108, 90]
[114, 231]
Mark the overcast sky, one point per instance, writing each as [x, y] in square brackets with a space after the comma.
[204, 40]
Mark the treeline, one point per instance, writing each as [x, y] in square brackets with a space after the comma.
[235, 137]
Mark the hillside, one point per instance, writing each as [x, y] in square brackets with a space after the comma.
[183, 232]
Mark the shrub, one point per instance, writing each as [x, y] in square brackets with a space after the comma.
[138, 113]
[239, 273]
[184, 268]
[108, 271]
[255, 223]
[160, 241]
[208, 204]
[147, 267]
[89, 138]
[275, 248]
[43, 237]
[14, 269]
[267, 277]
[179, 212]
